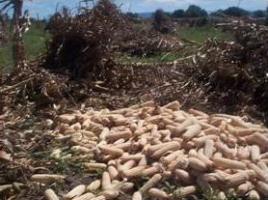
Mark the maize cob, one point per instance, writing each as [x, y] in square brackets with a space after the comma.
[143, 161]
[47, 178]
[136, 171]
[228, 163]
[86, 196]
[257, 138]
[5, 187]
[197, 164]
[263, 166]
[192, 131]
[110, 194]
[113, 172]
[262, 188]
[118, 135]
[245, 188]
[209, 148]
[101, 197]
[255, 153]
[253, 195]
[172, 156]
[151, 171]
[165, 149]
[95, 185]
[183, 176]
[237, 179]
[157, 193]
[185, 191]
[177, 130]
[127, 186]
[113, 151]
[136, 157]
[221, 196]
[137, 196]
[67, 118]
[95, 166]
[261, 174]
[106, 181]
[150, 183]
[229, 153]
[75, 192]
[51, 195]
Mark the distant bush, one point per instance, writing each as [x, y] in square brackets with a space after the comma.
[195, 11]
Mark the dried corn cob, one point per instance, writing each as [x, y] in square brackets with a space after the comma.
[150, 183]
[86, 196]
[136, 171]
[106, 181]
[95, 185]
[185, 191]
[255, 153]
[209, 148]
[253, 195]
[137, 196]
[197, 164]
[262, 188]
[51, 195]
[95, 166]
[75, 192]
[192, 131]
[47, 178]
[157, 193]
[228, 163]
[245, 188]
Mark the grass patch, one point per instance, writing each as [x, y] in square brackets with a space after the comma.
[201, 34]
[35, 44]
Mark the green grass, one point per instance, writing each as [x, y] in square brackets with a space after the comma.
[197, 35]
[35, 44]
[201, 34]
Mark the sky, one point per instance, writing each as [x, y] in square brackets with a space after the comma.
[44, 8]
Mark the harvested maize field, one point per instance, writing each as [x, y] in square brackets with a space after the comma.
[103, 115]
[152, 152]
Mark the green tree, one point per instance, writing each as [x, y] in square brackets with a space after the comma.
[195, 11]
[162, 21]
[259, 13]
[266, 19]
[236, 12]
[180, 13]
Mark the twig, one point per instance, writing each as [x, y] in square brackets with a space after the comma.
[16, 85]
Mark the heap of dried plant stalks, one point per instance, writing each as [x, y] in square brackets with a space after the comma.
[164, 152]
[82, 43]
[148, 42]
[235, 73]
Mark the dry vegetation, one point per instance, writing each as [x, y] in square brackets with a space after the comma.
[77, 124]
